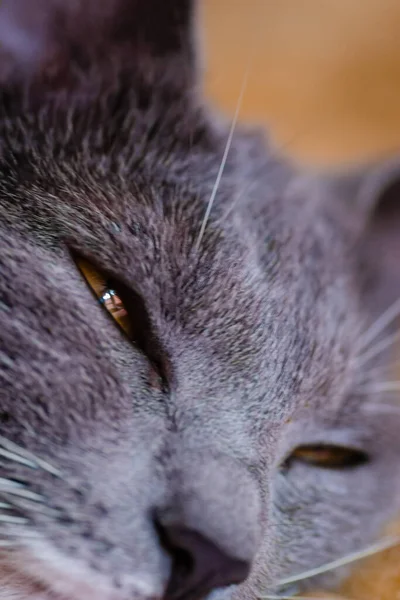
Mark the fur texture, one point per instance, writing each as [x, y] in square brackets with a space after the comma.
[108, 151]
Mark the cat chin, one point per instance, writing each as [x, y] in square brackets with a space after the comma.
[43, 573]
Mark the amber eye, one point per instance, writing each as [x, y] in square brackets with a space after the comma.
[106, 293]
[328, 456]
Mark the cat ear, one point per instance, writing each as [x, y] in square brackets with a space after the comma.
[376, 209]
[59, 42]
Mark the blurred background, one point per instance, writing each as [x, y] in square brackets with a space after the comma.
[324, 75]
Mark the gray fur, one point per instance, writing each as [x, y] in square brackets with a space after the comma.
[111, 153]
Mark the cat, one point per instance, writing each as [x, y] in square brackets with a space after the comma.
[195, 333]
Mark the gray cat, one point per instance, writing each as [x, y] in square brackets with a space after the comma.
[195, 397]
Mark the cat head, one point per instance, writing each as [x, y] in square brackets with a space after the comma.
[187, 399]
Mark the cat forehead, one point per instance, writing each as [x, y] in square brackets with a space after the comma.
[116, 158]
[129, 190]
[110, 191]
[217, 310]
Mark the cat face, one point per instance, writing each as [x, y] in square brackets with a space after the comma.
[187, 404]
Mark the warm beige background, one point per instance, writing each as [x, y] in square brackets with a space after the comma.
[325, 74]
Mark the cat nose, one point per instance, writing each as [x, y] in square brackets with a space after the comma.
[198, 565]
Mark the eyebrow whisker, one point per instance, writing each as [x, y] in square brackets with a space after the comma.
[223, 161]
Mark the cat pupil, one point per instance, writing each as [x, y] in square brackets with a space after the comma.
[113, 303]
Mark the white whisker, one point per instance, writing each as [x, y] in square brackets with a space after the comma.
[19, 533]
[387, 317]
[380, 546]
[14, 449]
[6, 544]
[21, 492]
[10, 483]
[13, 520]
[380, 387]
[27, 504]
[377, 349]
[223, 161]
[49, 468]
[16, 458]
[380, 370]
[388, 409]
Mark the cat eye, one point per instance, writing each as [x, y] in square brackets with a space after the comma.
[106, 293]
[128, 310]
[328, 456]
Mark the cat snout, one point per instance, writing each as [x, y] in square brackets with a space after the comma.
[210, 526]
[198, 565]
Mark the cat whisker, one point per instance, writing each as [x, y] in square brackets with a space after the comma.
[13, 520]
[13, 532]
[223, 161]
[377, 349]
[11, 488]
[387, 317]
[22, 499]
[382, 409]
[14, 452]
[28, 505]
[10, 483]
[16, 458]
[381, 370]
[380, 387]
[7, 544]
[384, 544]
